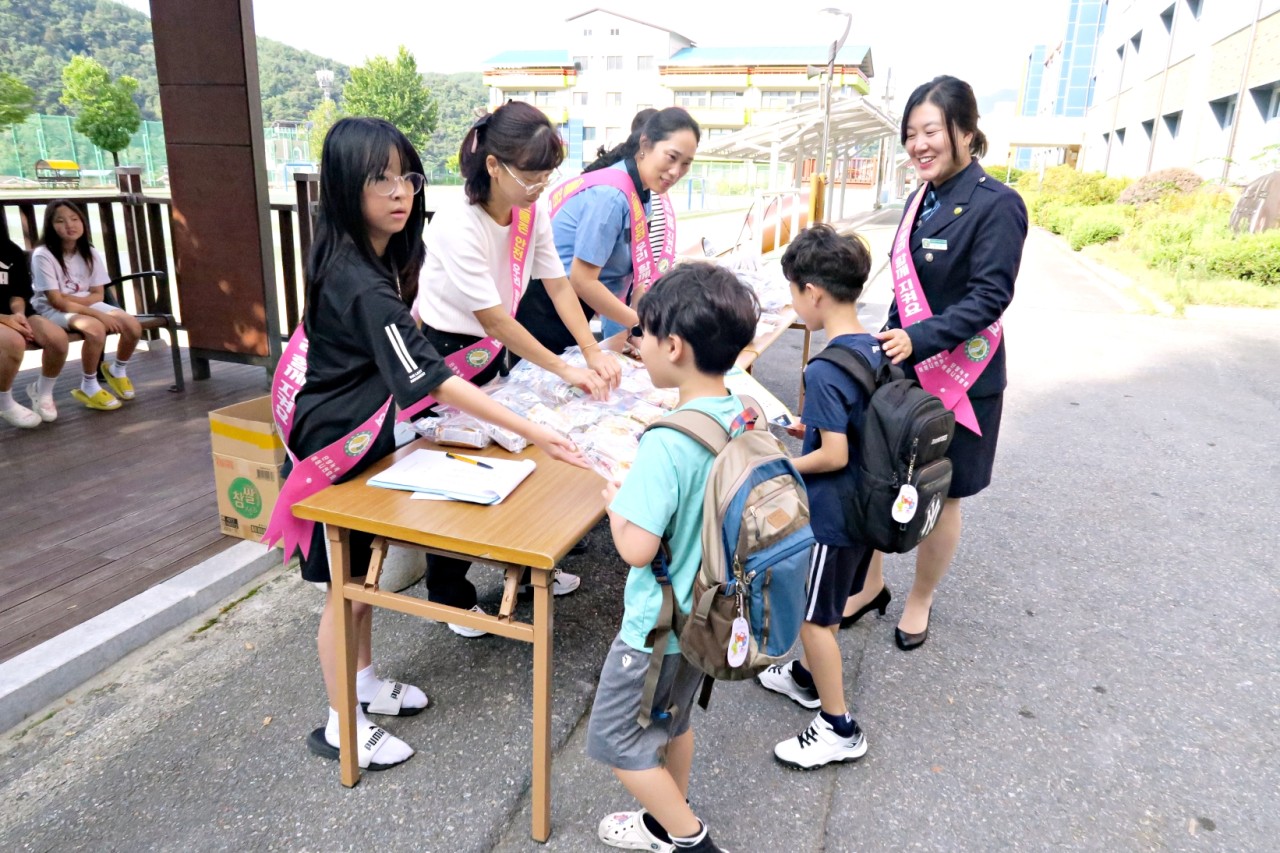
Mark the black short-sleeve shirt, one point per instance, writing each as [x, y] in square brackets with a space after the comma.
[364, 347]
[15, 276]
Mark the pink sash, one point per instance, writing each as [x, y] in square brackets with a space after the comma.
[329, 464]
[642, 264]
[946, 375]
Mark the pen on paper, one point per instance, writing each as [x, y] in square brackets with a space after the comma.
[468, 459]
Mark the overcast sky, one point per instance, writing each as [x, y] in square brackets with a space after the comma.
[917, 40]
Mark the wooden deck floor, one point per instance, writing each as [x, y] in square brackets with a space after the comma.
[99, 506]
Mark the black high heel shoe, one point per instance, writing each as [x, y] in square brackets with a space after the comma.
[880, 603]
[906, 641]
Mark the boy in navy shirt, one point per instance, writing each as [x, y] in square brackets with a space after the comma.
[827, 272]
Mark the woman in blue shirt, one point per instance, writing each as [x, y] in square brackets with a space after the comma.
[593, 228]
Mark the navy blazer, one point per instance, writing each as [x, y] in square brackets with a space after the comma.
[969, 284]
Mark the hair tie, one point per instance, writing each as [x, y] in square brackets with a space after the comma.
[480, 122]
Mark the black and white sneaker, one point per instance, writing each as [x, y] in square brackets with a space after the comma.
[778, 679]
[819, 744]
[562, 583]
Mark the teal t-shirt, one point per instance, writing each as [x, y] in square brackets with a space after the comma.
[663, 495]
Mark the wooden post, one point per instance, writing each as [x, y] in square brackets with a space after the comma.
[207, 67]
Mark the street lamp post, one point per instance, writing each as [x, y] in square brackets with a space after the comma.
[828, 163]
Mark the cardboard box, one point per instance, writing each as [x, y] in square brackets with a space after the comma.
[247, 493]
[247, 431]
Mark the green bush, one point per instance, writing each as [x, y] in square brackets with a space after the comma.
[1072, 187]
[1157, 185]
[1245, 257]
[1004, 174]
[1096, 225]
[1059, 218]
[1171, 233]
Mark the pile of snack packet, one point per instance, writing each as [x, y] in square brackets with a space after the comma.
[769, 285]
[607, 432]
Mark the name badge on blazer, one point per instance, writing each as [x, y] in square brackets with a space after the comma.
[928, 243]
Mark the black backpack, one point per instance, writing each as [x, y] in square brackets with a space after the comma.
[904, 439]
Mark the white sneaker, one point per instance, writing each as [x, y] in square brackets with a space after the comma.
[627, 830]
[778, 679]
[469, 633]
[21, 417]
[562, 583]
[819, 744]
[45, 408]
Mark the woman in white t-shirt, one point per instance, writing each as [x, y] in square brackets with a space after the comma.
[67, 275]
[467, 289]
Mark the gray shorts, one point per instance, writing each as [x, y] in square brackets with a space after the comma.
[63, 318]
[613, 735]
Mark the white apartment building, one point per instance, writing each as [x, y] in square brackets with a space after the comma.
[1193, 83]
[613, 65]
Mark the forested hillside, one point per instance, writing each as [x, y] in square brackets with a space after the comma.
[39, 37]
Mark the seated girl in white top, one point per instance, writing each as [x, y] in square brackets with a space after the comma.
[68, 275]
[482, 252]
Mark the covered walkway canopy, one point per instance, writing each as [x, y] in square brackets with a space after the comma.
[797, 135]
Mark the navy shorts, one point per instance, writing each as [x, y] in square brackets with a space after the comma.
[835, 573]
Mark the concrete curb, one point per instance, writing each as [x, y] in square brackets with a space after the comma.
[40, 675]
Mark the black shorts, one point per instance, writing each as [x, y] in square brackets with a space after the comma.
[973, 456]
[835, 573]
[315, 567]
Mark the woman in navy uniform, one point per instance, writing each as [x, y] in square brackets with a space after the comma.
[966, 244]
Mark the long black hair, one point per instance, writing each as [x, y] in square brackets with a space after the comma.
[959, 107]
[355, 150]
[50, 240]
[661, 125]
[516, 134]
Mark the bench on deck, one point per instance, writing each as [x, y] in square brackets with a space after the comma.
[114, 294]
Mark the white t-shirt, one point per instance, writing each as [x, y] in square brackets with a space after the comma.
[47, 274]
[468, 265]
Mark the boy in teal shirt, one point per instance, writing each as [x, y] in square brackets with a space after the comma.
[693, 324]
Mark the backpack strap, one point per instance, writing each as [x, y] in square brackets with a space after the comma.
[705, 428]
[856, 366]
[669, 619]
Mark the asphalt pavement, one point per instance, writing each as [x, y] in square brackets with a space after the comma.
[1102, 671]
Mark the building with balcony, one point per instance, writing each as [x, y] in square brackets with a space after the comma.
[1192, 83]
[614, 65]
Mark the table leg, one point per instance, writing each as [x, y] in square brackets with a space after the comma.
[339, 575]
[543, 606]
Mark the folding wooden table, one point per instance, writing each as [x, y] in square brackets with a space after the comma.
[533, 528]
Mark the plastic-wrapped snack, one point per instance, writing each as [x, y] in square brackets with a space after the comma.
[428, 428]
[550, 418]
[505, 438]
[462, 431]
[582, 414]
[610, 457]
[516, 398]
[616, 426]
[645, 413]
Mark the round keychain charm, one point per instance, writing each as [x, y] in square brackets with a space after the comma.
[739, 642]
[904, 507]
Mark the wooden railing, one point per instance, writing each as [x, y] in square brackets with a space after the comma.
[134, 232]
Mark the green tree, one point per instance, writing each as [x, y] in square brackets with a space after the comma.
[392, 89]
[17, 100]
[459, 95]
[106, 112]
[322, 118]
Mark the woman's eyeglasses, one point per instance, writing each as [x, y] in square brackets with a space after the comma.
[531, 188]
[388, 186]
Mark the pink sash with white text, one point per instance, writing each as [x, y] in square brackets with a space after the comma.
[644, 270]
[946, 375]
[329, 464]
